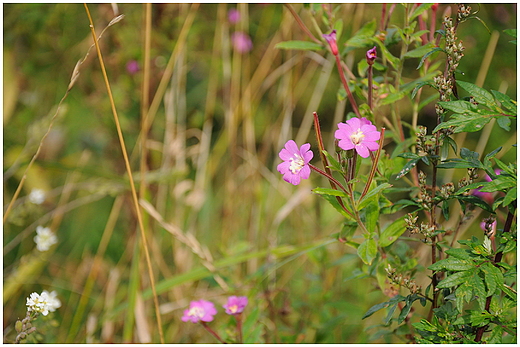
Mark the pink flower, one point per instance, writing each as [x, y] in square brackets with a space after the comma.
[331, 39]
[371, 55]
[241, 42]
[233, 16]
[235, 304]
[358, 133]
[132, 67]
[295, 164]
[201, 310]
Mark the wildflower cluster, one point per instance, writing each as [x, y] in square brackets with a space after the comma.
[43, 303]
[203, 311]
[44, 238]
[357, 134]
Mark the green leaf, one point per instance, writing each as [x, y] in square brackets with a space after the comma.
[410, 299]
[419, 10]
[333, 163]
[408, 166]
[454, 279]
[480, 319]
[479, 290]
[299, 45]
[370, 215]
[493, 277]
[419, 51]
[460, 253]
[334, 202]
[424, 325]
[480, 95]
[456, 163]
[468, 122]
[452, 264]
[372, 194]
[393, 301]
[250, 326]
[510, 196]
[367, 251]
[434, 50]
[392, 232]
[506, 102]
[330, 192]
[504, 123]
[476, 201]
[458, 106]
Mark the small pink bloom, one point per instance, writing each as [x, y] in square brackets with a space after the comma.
[359, 134]
[201, 310]
[486, 196]
[331, 39]
[235, 304]
[132, 67]
[295, 164]
[371, 55]
[241, 42]
[233, 16]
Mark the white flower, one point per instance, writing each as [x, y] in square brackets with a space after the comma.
[37, 196]
[45, 238]
[52, 300]
[44, 303]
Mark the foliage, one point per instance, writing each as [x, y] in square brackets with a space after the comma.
[384, 248]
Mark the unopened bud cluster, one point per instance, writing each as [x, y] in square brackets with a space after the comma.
[425, 144]
[401, 280]
[424, 228]
[447, 190]
[466, 181]
[488, 225]
[24, 328]
[424, 197]
[463, 12]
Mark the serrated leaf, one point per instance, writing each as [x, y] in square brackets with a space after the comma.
[367, 251]
[454, 279]
[329, 191]
[419, 86]
[472, 199]
[392, 232]
[457, 164]
[452, 264]
[299, 45]
[458, 106]
[331, 198]
[480, 95]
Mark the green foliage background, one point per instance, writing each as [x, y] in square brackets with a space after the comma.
[269, 240]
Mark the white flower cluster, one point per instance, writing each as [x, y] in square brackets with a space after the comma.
[44, 303]
[45, 238]
[37, 196]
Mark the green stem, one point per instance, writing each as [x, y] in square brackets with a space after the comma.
[345, 85]
[374, 164]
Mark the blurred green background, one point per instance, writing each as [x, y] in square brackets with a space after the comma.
[211, 169]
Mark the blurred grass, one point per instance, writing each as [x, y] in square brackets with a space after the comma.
[212, 146]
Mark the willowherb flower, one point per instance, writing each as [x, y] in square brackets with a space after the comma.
[359, 134]
[200, 310]
[233, 16]
[295, 164]
[241, 42]
[331, 39]
[132, 67]
[37, 196]
[44, 303]
[235, 304]
[371, 55]
[44, 239]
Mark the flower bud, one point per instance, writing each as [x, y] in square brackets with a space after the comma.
[331, 39]
[371, 56]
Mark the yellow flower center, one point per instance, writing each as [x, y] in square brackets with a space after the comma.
[196, 312]
[297, 164]
[233, 309]
[357, 137]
